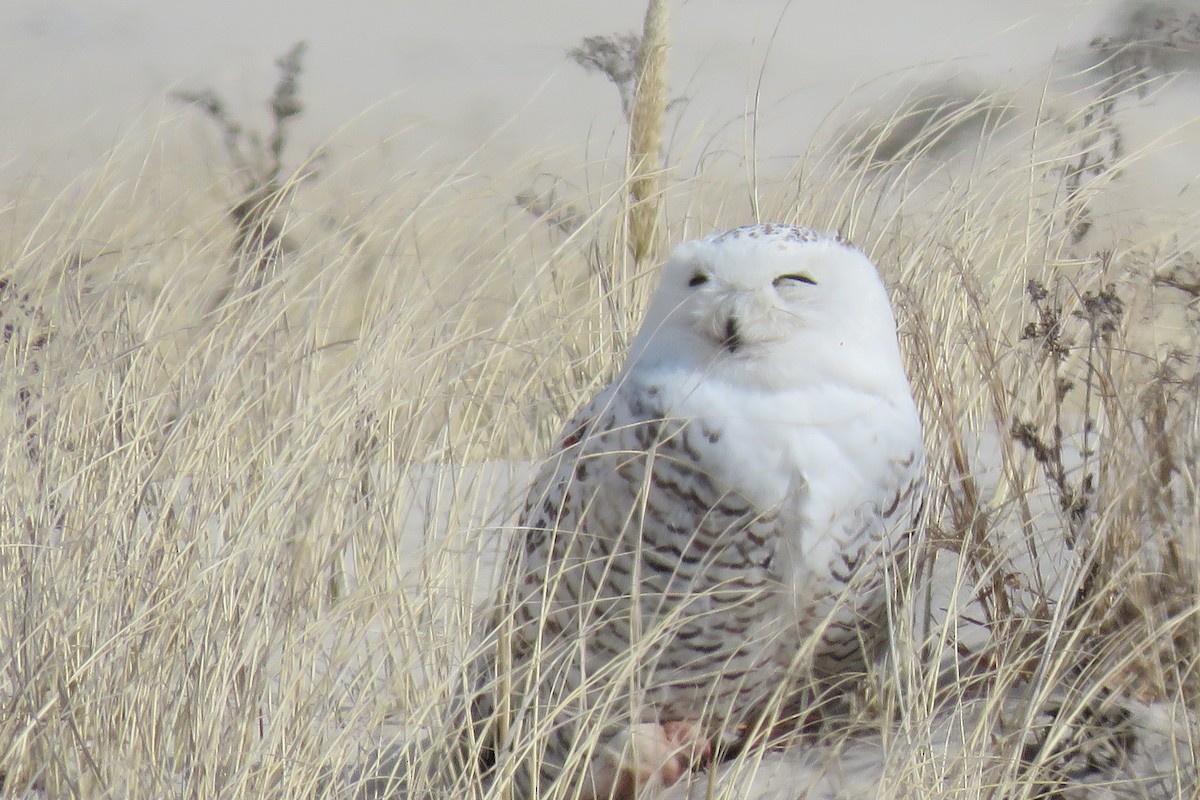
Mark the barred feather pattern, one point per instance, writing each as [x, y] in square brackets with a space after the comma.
[712, 534]
[633, 543]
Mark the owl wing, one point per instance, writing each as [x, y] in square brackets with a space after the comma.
[631, 541]
[848, 607]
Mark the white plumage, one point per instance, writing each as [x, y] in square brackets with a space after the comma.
[711, 534]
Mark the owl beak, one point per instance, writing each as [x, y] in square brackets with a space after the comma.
[731, 339]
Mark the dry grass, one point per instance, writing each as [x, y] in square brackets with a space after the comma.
[244, 523]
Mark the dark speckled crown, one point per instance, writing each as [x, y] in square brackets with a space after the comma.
[774, 230]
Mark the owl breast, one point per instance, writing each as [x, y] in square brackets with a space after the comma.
[841, 470]
[645, 547]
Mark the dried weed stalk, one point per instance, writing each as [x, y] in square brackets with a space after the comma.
[1156, 42]
[1118, 595]
[258, 160]
[618, 56]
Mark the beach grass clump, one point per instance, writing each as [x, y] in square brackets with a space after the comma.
[256, 465]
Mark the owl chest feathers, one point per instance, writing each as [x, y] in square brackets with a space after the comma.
[709, 507]
[715, 512]
[823, 462]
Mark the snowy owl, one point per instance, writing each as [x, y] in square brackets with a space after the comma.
[712, 530]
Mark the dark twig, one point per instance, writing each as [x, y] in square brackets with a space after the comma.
[258, 163]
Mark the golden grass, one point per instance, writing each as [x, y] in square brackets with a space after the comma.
[244, 527]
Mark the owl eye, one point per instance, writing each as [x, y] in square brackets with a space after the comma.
[793, 278]
[698, 279]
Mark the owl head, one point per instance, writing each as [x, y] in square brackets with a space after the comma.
[774, 305]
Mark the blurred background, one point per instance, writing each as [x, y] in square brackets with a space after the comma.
[436, 80]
